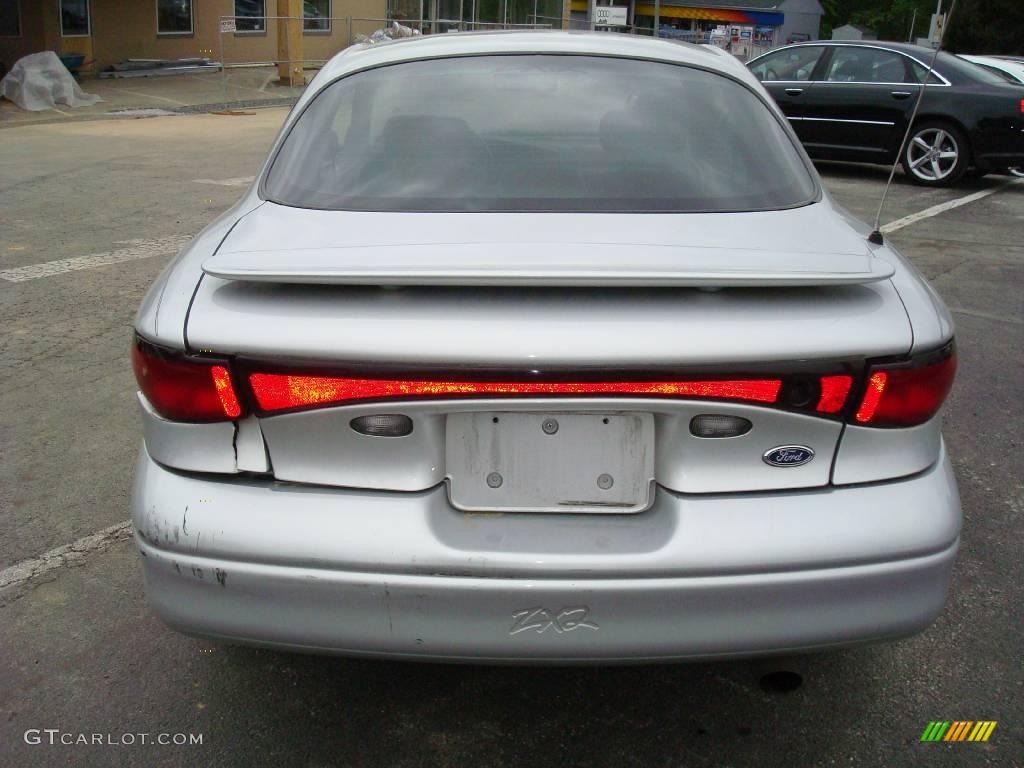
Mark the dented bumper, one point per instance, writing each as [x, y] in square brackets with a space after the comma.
[404, 574]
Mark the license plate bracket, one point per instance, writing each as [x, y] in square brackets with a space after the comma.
[550, 462]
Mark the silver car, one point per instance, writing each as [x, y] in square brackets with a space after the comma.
[542, 347]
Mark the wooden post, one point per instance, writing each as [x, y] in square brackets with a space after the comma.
[566, 13]
[289, 43]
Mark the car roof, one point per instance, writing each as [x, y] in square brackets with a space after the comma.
[950, 68]
[917, 51]
[535, 41]
[995, 61]
[1013, 69]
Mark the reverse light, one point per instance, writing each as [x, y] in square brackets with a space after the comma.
[382, 425]
[715, 425]
[184, 389]
[906, 395]
[279, 391]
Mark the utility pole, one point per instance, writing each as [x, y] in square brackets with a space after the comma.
[657, 18]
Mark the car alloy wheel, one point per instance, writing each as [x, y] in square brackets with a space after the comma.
[935, 155]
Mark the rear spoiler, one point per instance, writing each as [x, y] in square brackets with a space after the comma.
[549, 265]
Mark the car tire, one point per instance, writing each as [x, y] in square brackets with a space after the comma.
[936, 154]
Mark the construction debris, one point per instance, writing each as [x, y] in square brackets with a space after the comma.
[393, 32]
[160, 67]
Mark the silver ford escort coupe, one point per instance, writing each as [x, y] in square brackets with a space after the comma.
[542, 347]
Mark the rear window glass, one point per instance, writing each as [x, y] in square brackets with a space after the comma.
[538, 133]
[960, 70]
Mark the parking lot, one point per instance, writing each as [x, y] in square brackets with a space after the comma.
[90, 212]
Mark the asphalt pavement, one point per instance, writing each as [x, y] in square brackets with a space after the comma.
[82, 656]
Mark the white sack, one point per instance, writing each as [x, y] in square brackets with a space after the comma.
[39, 80]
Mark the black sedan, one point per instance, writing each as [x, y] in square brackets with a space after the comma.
[853, 101]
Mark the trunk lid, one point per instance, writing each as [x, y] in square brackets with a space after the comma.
[809, 288]
[545, 326]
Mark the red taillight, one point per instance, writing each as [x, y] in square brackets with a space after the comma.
[276, 392]
[1022, 106]
[180, 389]
[906, 396]
[225, 391]
[834, 390]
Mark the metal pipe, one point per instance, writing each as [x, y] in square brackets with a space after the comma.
[223, 70]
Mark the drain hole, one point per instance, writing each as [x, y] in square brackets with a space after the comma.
[782, 681]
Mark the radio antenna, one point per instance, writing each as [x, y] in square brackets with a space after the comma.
[876, 233]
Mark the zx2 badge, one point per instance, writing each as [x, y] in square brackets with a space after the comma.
[540, 620]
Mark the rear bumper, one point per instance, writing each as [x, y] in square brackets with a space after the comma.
[690, 578]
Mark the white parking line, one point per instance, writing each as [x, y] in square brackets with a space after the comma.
[269, 79]
[949, 205]
[137, 249]
[154, 96]
[69, 554]
[238, 181]
[987, 315]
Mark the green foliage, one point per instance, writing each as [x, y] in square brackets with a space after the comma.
[977, 26]
[987, 26]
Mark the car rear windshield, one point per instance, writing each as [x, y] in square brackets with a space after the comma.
[960, 70]
[538, 133]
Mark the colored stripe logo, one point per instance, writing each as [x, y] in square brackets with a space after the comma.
[958, 730]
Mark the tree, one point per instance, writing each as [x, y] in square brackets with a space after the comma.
[986, 26]
[891, 19]
[977, 26]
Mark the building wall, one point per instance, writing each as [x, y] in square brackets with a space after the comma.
[799, 23]
[32, 34]
[850, 32]
[123, 29]
[801, 17]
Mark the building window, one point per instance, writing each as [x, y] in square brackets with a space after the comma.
[10, 18]
[174, 17]
[250, 16]
[316, 16]
[74, 18]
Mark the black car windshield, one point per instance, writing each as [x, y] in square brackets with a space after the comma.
[538, 133]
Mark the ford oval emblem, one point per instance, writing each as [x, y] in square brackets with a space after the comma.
[788, 456]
